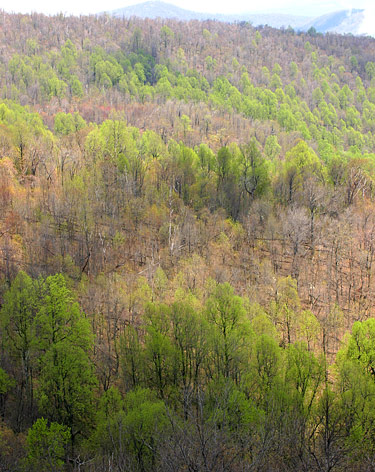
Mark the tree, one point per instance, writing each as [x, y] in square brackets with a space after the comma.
[132, 357]
[66, 386]
[272, 147]
[17, 317]
[160, 354]
[6, 383]
[266, 364]
[356, 388]
[189, 333]
[328, 439]
[370, 69]
[227, 170]
[306, 374]
[166, 35]
[50, 337]
[231, 332]
[255, 178]
[361, 346]
[66, 123]
[67, 377]
[130, 430]
[286, 308]
[301, 162]
[46, 446]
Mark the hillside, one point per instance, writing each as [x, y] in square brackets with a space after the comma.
[187, 240]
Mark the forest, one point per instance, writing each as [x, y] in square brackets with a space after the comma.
[187, 247]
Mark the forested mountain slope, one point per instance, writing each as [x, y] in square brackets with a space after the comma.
[187, 232]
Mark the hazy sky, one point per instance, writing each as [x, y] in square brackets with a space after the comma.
[310, 7]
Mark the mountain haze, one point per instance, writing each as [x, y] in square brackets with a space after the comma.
[341, 21]
[156, 9]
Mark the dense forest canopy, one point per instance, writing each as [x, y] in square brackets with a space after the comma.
[187, 240]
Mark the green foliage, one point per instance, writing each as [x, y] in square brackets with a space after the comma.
[305, 372]
[17, 322]
[18, 314]
[272, 148]
[370, 69]
[67, 378]
[49, 334]
[131, 427]
[361, 346]
[160, 355]
[6, 383]
[300, 163]
[114, 140]
[46, 446]
[231, 331]
[266, 362]
[256, 178]
[76, 88]
[188, 333]
[66, 123]
[252, 162]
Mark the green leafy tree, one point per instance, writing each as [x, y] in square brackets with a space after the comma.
[132, 357]
[361, 345]
[67, 123]
[285, 309]
[370, 69]
[356, 388]
[228, 177]
[6, 384]
[130, 430]
[266, 364]
[67, 377]
[160, 354]
[301, 162]
[272, 147]
[17, 317]
[231, 334]
[189, 335]
[46, 446]
[306, 374]
[166, 35]
[76, 88]
[256, 179]
[49, 335]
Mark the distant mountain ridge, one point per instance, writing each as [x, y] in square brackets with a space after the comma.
[158, 9]
[343, 21]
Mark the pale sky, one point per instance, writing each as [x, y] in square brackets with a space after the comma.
[309, 7]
